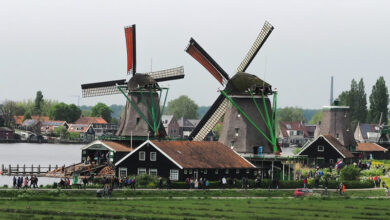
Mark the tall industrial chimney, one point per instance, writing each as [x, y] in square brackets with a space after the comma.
[331, 90]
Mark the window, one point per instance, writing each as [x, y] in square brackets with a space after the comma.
[238, 115]
[122, 172]
[237, 129]
[320, 148]
[152, 172]
[137, 121]
[237, 171]
[288, 126]
[216, 171]
[185, 171]
[142, 155]
[232, 145]
[205, 171]
[247, 171]
[190, 171]
[227, 171]
[141, 171]
[331, 161]
[174, 174]
[153, 156]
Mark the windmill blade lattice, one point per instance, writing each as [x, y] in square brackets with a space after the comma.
[168, 74]
[210, 119]
[260, 40]
[102, 88]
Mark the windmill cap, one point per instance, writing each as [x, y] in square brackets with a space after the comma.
[241, 82]
[141, 81]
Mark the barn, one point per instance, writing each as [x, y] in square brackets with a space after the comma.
[325, 151]
[178, 160]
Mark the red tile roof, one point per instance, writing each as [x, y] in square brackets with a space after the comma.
[338, 145]
[202, 154]
[117, 146]
[20, 118]
[90, 120]
[83, 128]
[295, 126]
[369, 147]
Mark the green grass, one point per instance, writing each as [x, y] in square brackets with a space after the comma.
[307, 208]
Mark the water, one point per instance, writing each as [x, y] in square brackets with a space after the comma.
[38, 154]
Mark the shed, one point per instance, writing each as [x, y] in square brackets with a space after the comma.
[371, 151]
[101, 151]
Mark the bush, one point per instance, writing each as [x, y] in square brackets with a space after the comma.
[349, 172]
[5, 186]
[371, 172]
[144, 180]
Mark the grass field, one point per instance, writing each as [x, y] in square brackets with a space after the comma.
[151, 208]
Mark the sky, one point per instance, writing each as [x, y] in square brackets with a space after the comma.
[55, 46]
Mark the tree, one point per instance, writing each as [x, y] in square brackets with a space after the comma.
[38, 103]
[183, 107]
[349, 172]
[101, 110]
[356, 99]
[74, 113]
[317, 117]
[27, 115]
[379, 101]
[61, 132]
[290, 114]
[64, 112]
[217, 130]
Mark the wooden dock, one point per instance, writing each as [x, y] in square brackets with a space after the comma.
[26, 170]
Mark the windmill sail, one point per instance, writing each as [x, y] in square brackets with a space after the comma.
[131, 49]
[168, 74]
[197, 52]
[210, 119]
[102, 88]
[260, 40]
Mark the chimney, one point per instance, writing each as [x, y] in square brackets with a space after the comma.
[331, 90]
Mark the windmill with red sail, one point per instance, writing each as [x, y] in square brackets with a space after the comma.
[143, 110]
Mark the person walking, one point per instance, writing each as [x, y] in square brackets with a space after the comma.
[85, 182]
[14, 182]
[196, 184]
[305, 182]
[326, 186]
[223, 182]
[387, 191]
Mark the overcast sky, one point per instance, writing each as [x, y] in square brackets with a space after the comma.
[55, 46]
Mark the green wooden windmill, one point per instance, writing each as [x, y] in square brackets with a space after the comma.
[249, 124]
[142, 116]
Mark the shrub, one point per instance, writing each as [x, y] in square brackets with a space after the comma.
[144, 180]
[5, 186]
[371, 172]
[349, 172]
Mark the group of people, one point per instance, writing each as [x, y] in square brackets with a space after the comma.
[64, 183]
[127, 182]
[194, 183]
[20, 182]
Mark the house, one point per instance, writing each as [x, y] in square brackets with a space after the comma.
[49, 126]
[97, 151]
[100, 125]
[310, 130]
[179, 160]
[33, 125]
[186, 126]
[86, 132]
[171, 126]
[19, 119]
[325, 151]
[292, 133]
[367, 132]
[7, 134]
[369, 151]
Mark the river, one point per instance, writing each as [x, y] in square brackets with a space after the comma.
[38, 154]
